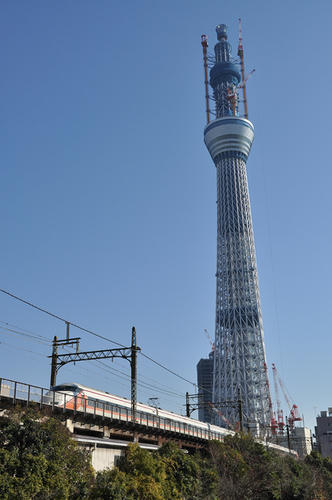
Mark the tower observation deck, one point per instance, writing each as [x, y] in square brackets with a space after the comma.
[239, 360]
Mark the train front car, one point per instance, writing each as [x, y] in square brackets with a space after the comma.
[67, 395]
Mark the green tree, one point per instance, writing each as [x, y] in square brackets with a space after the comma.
[139, 475]
[38, 459]
[321, 474]
[168, 474]
[188, 476]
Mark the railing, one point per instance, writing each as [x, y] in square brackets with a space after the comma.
[19, 392]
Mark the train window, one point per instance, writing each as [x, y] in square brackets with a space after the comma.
[91, 402]
[67, 388]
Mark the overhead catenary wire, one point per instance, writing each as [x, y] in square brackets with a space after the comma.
[33, 337]
[36, 353]
[23, 329]
[143, 384]
[44, 341]
[168, 369]
[28, 303]
[22, 349]
[146, 385]
[91, 332]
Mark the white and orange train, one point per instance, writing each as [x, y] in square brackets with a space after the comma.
[80, 398]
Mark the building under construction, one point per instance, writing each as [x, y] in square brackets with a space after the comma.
[239, 356]
[235, 377]
[205, 388]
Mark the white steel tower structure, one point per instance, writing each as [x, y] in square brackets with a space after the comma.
[239, 358]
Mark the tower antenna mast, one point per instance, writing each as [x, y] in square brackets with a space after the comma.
[243, 85]
[204, 42]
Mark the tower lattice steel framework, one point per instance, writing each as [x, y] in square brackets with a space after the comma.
[239, 359]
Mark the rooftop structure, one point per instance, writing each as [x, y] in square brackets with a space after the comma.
[298, 439]
[323, 432]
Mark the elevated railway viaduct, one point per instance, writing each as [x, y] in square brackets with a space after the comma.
[107, 432]
[105, 436]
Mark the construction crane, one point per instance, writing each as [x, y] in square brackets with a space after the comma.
[222, 416]
[232, 98]
[232, 92]
[280, 415]
[273, 421]
[294, 415]
[209, 338]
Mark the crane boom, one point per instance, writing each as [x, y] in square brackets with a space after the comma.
[209, 338]
[221, 415]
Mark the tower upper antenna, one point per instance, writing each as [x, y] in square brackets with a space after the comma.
[221, 30]
[243, 84]
[204, 42]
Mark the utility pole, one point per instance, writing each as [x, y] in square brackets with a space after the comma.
[128, 353]
[239, 402]
[236, 404]
[187, 405]
[55, 364]
[54, 360]
[288, 436]
[133, 363]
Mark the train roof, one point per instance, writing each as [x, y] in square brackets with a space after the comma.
[84, 387]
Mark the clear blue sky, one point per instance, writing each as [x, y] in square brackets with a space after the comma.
[108, 194]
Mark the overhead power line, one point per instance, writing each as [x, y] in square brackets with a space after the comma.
[91, 332]
[103, 366]
[11, 325]
[167, 369]
[35, 338]
[59, 317]
[22, 349]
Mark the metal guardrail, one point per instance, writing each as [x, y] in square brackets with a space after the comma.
[19, 392]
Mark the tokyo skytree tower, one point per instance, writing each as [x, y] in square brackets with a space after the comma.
[239, 356]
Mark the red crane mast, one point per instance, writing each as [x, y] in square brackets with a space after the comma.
[281, 423]
[293, 408]
[273, 421]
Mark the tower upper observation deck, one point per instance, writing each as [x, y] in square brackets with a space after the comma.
[229, 131]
